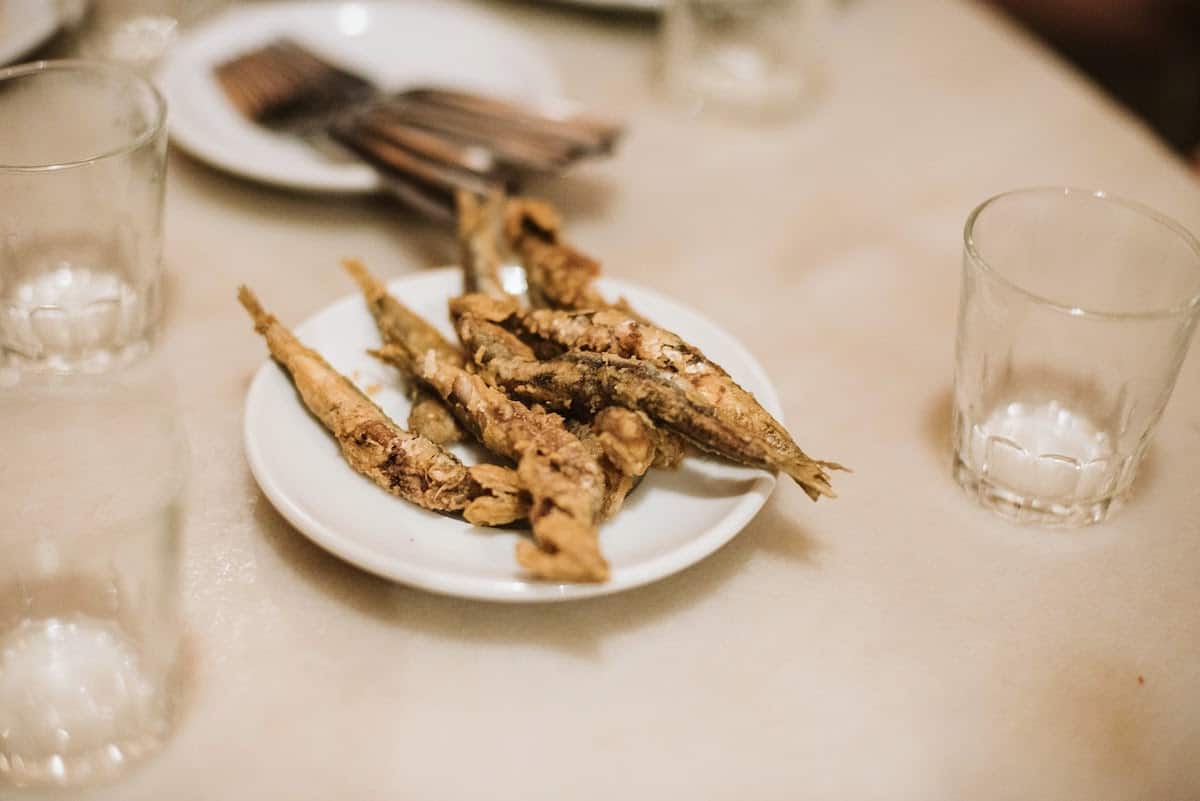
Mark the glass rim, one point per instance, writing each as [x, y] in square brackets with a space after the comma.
[155, 127]
[1189, 304]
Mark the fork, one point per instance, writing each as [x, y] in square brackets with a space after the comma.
[425, 142]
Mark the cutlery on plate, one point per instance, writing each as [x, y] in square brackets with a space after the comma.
[426, 142]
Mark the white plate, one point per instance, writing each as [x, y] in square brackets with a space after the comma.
[672, 520]
[24, 25]
[395, 45]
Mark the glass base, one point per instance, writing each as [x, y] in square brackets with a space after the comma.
[76, 705]
[77, 318]
[713, 87]
[101, 360]
[1031, 510]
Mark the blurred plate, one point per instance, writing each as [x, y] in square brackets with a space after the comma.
[395, 45]
[672, 520]
[24, 26]
[618, 5]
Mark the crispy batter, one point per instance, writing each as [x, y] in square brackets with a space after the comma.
[558, 275]
[406, 465]
[627, 438]
[498, 479]
[612, 331]
[479, 222]
[494, 310]
[605, 433]
[564, 481]
[623, 444]
[634, 444]
[430, 418]
[617, 485]
[504, 500]
[397, 323]
[669, 448]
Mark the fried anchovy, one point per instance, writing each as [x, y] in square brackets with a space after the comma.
[610, 437]
[564, 481]
[486, 423]
[581, 319]
[613, 331]
[397, 323]
[479, 223]
[558, 275]
[430, 418]
[581, 382]
[406, 465]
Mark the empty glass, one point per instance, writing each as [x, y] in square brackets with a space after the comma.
[754, 59]
[82, 168]
[93, 477]
[1076, 313]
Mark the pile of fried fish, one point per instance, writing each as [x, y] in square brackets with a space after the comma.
[582, 396]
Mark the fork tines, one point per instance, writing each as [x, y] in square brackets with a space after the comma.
[284, 80]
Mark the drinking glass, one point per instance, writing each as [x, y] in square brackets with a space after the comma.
[93, 475]
[82, 168]
[1076, 312]
[757, 59]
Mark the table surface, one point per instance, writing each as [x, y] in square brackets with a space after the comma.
[897, 643]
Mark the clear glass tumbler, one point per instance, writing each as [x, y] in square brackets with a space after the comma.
[1075, 315]
[82, 170]
[93, 476]
[754, 59]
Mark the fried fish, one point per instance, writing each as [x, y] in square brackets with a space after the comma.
[613, 331]
[563, 479]
[397, 323]
[404, 464]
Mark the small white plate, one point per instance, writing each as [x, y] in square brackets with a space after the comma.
[395, 45]
[672, 520]
[25, 25]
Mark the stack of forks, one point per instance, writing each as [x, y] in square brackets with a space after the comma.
[426, 143]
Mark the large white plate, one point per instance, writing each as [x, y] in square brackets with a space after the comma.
[24, 25]
[395, 45]
[674, 519]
